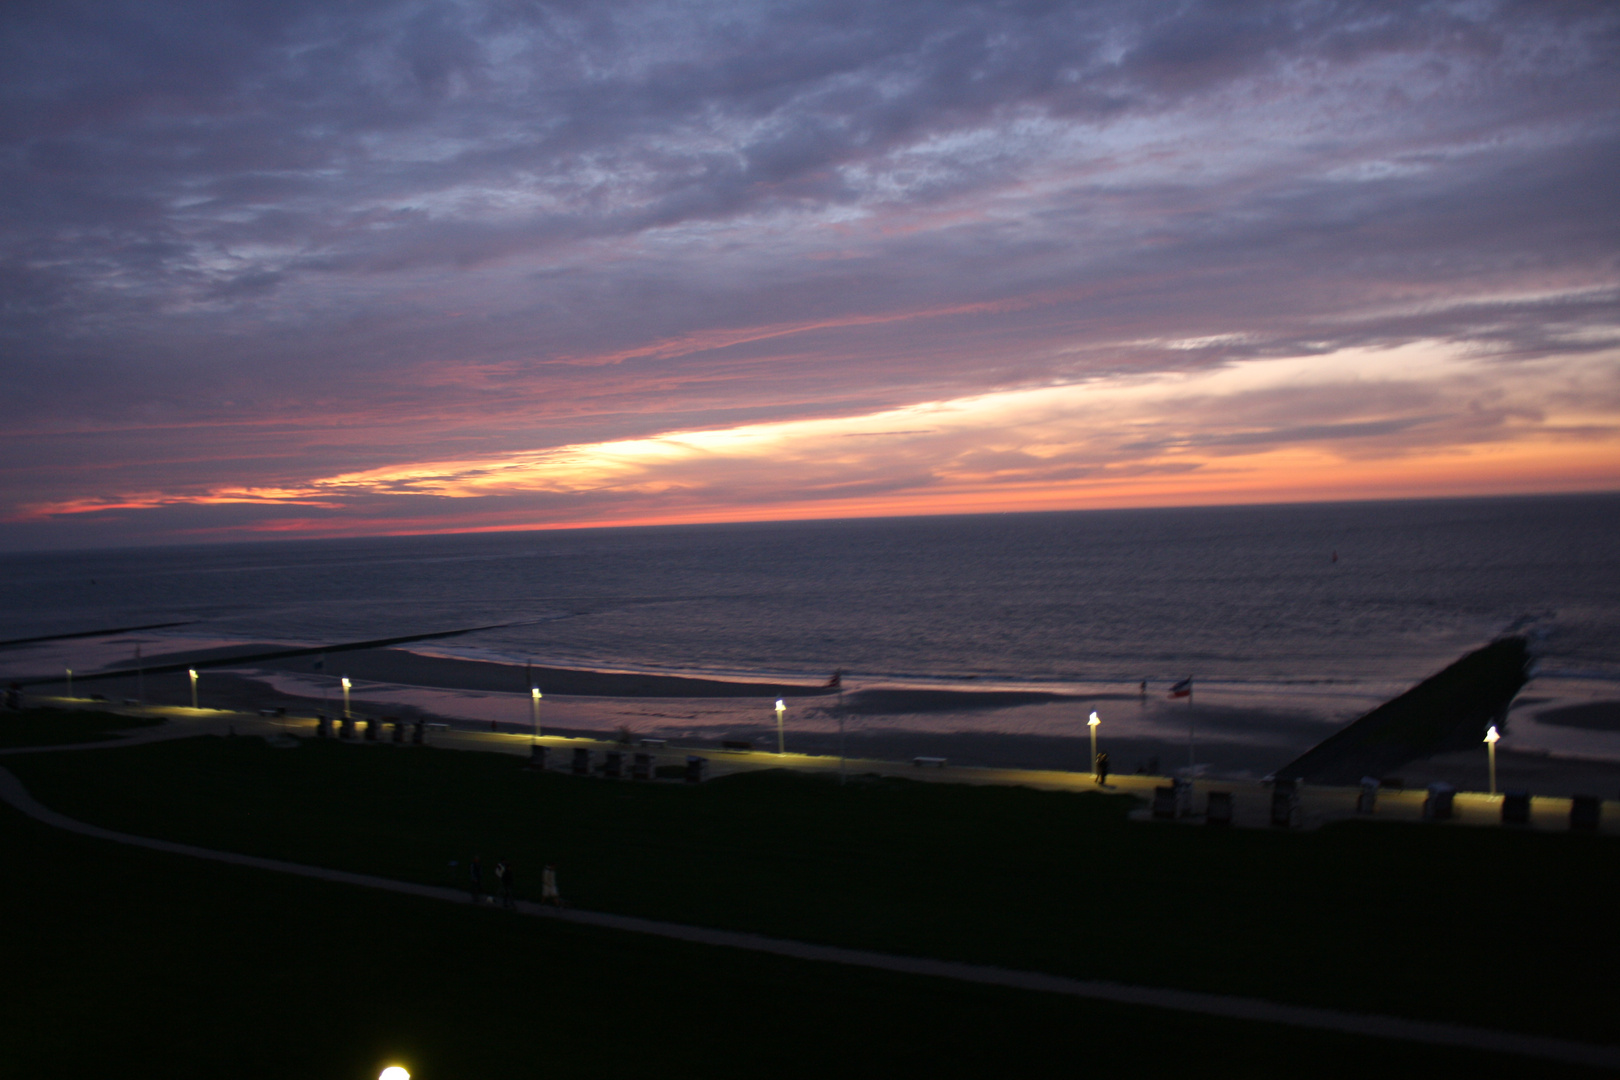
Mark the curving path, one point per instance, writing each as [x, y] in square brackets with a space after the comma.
[1237, 1008]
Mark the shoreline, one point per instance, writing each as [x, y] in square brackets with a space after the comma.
[1242, 731]
[1017, 757]
[406, 668]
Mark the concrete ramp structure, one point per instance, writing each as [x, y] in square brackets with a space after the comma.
[1446, 712]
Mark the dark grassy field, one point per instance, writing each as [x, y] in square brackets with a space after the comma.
[1440, 923]
[51, 727]
[123, 962]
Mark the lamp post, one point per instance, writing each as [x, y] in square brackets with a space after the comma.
[780, 709]
[536, 751]
[345, 699]
[1092, 724]
[1491, 739]
[193, 673]
[70, 682]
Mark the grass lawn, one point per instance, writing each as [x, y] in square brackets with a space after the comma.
[50, 727]
[1469, 925]
[128, 962]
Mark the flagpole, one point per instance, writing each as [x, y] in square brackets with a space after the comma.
[1192, 739]
[840, 731]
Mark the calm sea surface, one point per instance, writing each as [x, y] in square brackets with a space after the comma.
[1249, 594]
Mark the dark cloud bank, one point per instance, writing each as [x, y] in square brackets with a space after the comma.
[254, 242]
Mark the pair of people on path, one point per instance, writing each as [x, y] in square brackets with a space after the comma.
[507, 882]
[503, 874]
[1102, 769]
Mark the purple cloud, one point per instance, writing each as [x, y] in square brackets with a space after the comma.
[256, 244]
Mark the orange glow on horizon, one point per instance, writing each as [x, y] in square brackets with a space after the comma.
[1419, 421]
[1304, 485]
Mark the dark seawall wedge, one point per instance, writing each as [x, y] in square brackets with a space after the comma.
[1445, 712]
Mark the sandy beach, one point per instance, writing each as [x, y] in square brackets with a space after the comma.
[1562, 736]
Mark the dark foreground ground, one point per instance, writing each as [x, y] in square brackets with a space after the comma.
[54, 727]
[133, 949]
[129, 963]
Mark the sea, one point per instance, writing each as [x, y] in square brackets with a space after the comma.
[1289, 620]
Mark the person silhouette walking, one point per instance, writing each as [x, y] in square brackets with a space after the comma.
[503, 871]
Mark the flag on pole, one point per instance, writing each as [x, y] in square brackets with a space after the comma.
[1182, 688]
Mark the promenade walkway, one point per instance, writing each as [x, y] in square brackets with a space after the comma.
[14, 793]
[1251, 799]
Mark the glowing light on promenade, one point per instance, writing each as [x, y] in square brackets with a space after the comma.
[193, 673]
[780, 709]
[1492, 737]
[394, 1072]
[346, 685]
[535, 751]
[1092, 724]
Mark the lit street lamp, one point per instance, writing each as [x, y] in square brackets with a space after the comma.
[70, 682]
[394, 1072]
[1092, 724]
[536, 751]
[345, 700]
[193, 673]
[1491, 739]
[780, 709]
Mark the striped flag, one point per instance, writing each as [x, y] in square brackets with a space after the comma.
[1182, 688]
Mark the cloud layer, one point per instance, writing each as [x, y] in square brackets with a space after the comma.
[265, 249]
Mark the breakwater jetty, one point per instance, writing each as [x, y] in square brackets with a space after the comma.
[1447, 711]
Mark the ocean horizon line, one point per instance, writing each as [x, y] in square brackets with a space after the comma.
[280, 539]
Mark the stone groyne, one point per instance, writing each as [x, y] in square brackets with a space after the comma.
[1447, 711]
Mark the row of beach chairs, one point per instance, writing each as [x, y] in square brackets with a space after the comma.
[1176, 801]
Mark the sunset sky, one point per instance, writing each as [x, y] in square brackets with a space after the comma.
[276, 269]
